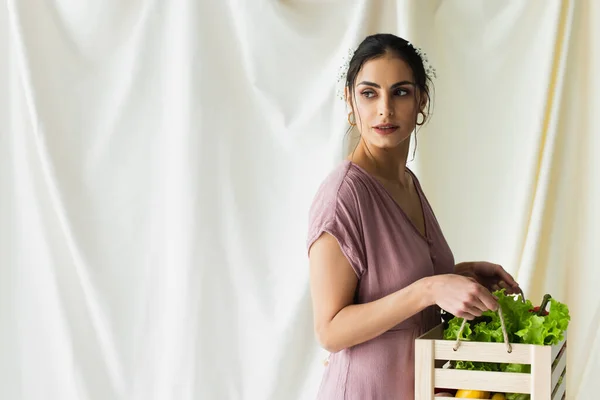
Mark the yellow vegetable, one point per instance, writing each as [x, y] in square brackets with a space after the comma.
[472, 394]
[498, 396]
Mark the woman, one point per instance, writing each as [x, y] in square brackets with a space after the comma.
[380, 268]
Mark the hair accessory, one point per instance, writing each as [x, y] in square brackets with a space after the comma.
[343, 73]
[429, 70]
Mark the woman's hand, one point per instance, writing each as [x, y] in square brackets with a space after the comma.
[461, 296]
[490, 275]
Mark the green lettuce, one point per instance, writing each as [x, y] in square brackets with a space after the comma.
[522, 326]
[517, 396]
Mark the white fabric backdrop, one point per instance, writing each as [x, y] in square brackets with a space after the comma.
[157, 160]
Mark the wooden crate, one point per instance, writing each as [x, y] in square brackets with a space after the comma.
[432, 353]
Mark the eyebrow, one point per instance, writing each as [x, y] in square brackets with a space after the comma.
[395, 85]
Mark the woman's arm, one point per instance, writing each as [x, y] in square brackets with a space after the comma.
[340, 324]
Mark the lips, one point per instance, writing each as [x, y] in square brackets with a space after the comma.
[385, 129]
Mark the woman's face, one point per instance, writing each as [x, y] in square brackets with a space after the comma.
[384, 102]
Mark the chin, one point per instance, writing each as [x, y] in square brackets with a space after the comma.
[389, 142]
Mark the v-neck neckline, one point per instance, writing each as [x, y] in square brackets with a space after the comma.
[425, 234]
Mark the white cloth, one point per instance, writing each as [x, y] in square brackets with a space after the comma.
[157, 161]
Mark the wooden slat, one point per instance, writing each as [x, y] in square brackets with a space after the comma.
[446, 398]
[560, 392]
[540, 372]
[558, 369]
[556, 358]
[424, 369]
[483, 380]
[558, 347]
[541, 383]
[484, 352]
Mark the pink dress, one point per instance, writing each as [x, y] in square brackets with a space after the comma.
[387, 253]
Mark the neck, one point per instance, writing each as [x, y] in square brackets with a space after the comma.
[389, 164]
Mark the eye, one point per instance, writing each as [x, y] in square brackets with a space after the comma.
[368, 94]
[401, 92]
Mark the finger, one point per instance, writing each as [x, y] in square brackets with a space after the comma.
[519, 291]
[466, 315]
[513, 290]
[488, 300]
[506, 277]
[495, 287]
[509, 289]
[484, 301]
[480, 298]
[477, 308]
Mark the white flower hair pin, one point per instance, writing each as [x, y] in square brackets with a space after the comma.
[343, 74]
[429, 70]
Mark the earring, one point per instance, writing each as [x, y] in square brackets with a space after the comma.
[423, 121]
[351, 122]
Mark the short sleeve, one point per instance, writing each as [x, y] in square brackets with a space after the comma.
[336, 210]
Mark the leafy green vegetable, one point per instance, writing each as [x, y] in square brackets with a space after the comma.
[545, 330]
[523, 325]
[476, 366]
[519, 368]
[517, 396]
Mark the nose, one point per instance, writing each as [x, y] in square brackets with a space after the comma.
[385, 106]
